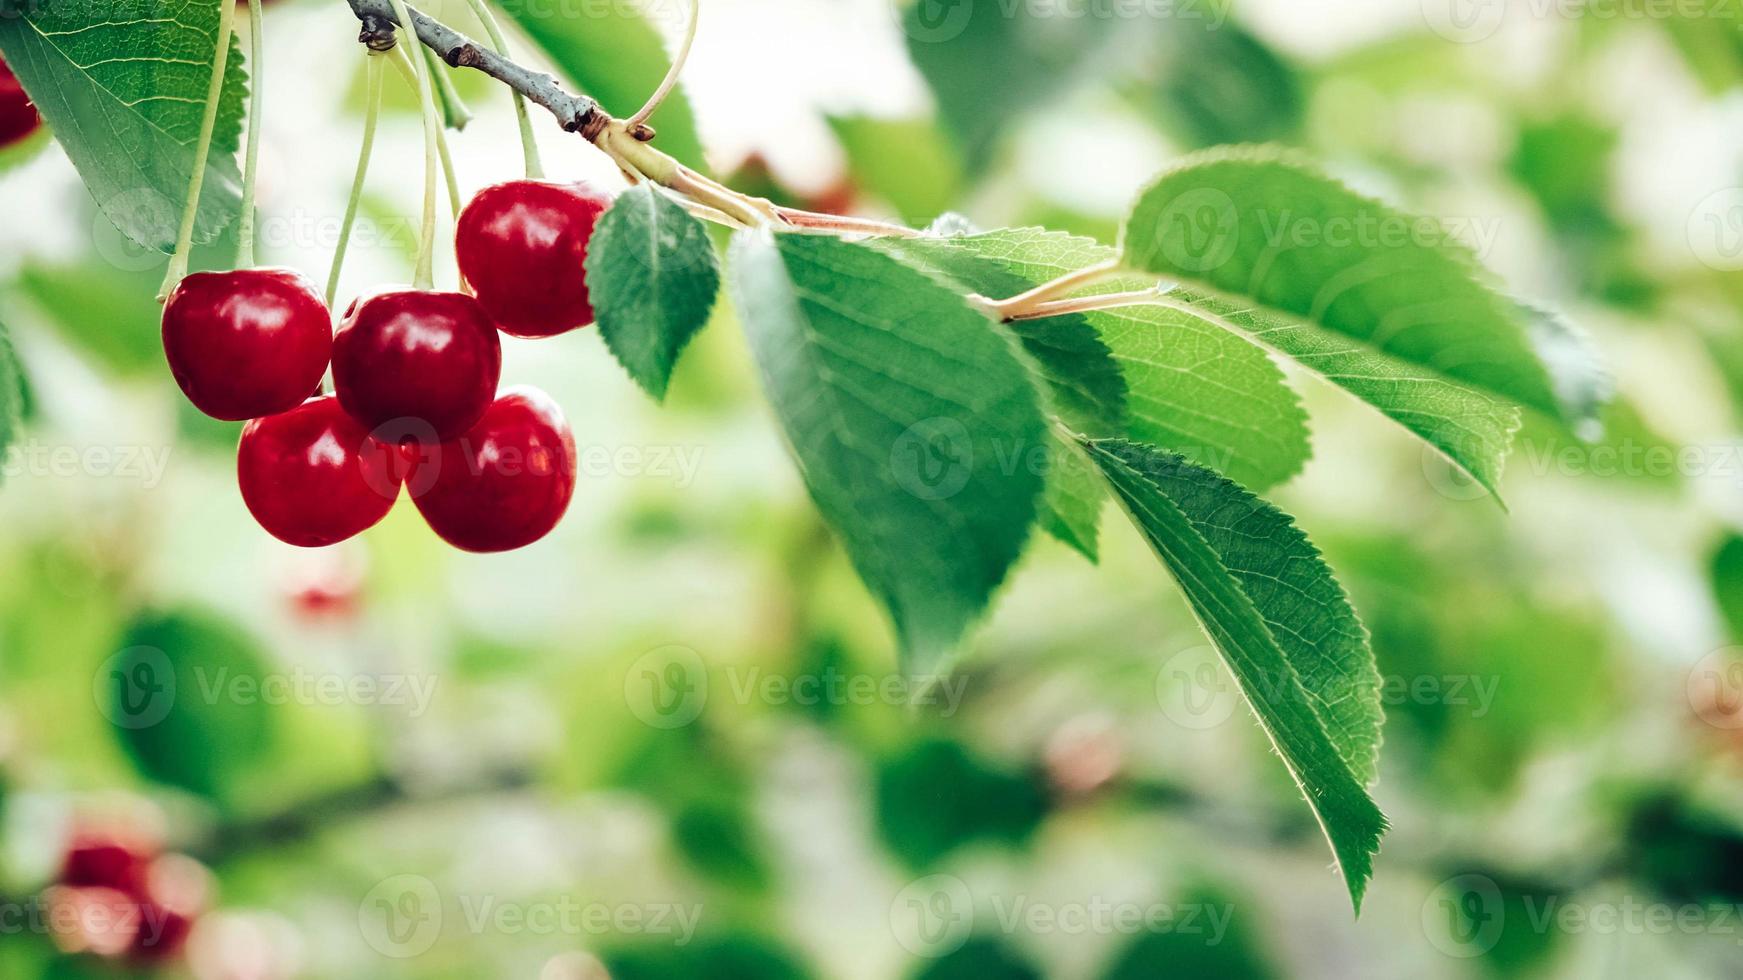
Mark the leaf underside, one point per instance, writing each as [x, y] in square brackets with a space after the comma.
[652, 278]
[1283, 626]
[912, 419]
[125, 98]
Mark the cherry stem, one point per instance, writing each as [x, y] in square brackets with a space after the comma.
[251, 165]
[178, 263]
[625, 141]
[528, 144]
[371, 116]
[671, 80]
[404, 64]
[424, 278]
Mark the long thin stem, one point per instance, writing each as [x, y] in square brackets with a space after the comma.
[671, 80]
[178, 263]
[842, 224]
[528, 143]
[1015, 307]
[425, 275]
[372, 115]
[403, 62]
[256, 123]
[1084, 304]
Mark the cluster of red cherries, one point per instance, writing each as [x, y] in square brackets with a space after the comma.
[118, 896]
[18, 118]
[415, 403]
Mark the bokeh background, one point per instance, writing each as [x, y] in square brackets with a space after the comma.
[672, 740]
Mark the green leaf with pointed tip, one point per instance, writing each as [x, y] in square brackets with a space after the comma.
[1261, 228]
[611, 52]
[1473, 429]
[123, 85]
[652, 277]
[1283, 625]
[912, 418]
[1191, 387]
[1070, 507]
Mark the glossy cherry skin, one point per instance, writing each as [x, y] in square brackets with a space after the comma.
[18, 118]
[506, 483]
[248, 343]
[522, 245]
[313, 477]
[416, 367]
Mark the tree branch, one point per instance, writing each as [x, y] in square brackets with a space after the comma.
[575, 113]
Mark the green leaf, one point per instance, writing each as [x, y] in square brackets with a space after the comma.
[1283, 625]
[988, 63]
[1191, 387]
[182, 697]
[616, 56]
[652, 276]
[1726, 569]
[906, 162]
[1260, 228]
[1070, 507]
[1220, 84]
[912, 418]
[12, 392]
[124, 89]
[1473, 429]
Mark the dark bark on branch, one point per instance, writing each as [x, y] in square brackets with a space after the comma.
[575, 113]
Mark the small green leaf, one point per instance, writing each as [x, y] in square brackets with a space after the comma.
[172, 697]
[988, 63]
[913, 420]
[1191, 386]
[617, 57]
[125, 95]
[1220, 84]
[1283, 625]
[652, 277]
[1260, 228]
[906, 162]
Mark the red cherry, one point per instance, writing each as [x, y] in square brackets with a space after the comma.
[175, 895]
[18, 118]
[522, 246]
[506, 483]
[248, 343]
[415, 366]
[313, 477]
[97, 860]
